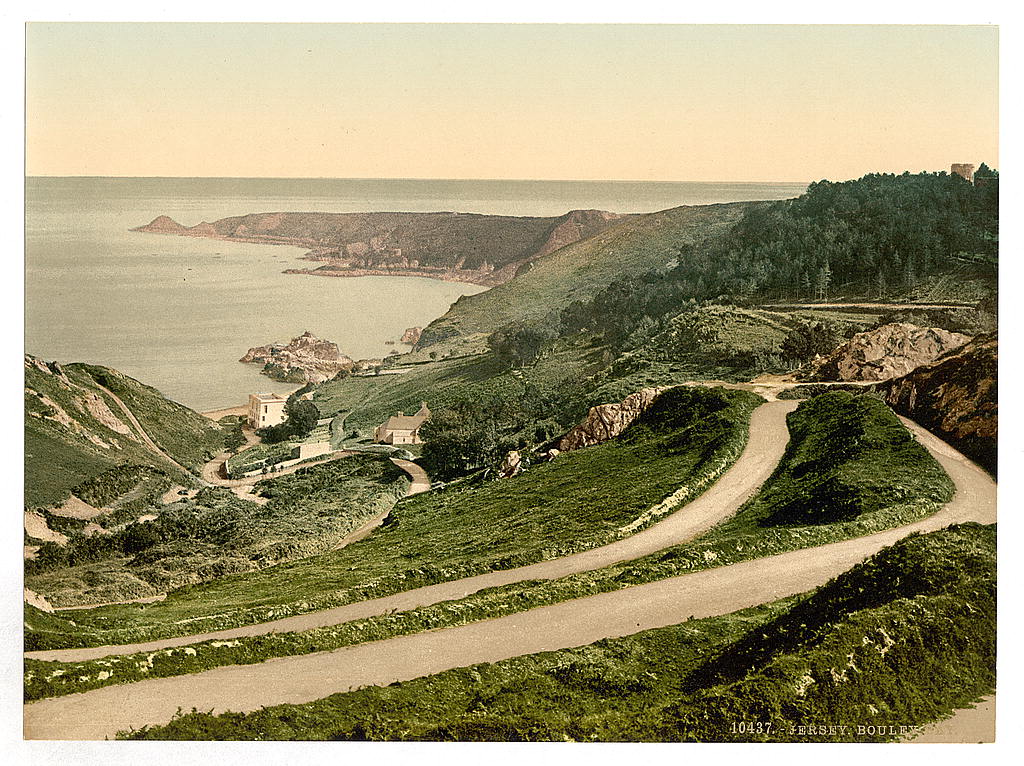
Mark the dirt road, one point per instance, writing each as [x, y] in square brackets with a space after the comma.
[152, 445]
[767, 442]
[101, 713]
[882, 306]
[420, 483]
[969, 725]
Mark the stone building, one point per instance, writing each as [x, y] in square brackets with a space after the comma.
[965, 170]
[266, 410]
[402, 428]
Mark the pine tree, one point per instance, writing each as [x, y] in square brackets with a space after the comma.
[824, 281]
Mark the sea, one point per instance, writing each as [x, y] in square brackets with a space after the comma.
[177, 312]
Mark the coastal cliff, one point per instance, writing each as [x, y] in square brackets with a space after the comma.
[456, 247]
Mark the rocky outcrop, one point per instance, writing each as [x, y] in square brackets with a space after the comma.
[463, 247]
[34, 599]
[411, 336]
[955, 398]
[512, 465]
[606, 421]
[305, 358]
[886, 352]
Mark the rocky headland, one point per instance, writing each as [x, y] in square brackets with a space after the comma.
[411, 336]
[457, 247]
[305, 359]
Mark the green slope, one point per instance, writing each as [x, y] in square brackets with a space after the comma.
[584, 499]
[577, 272]
[74, 430]
[899, 640]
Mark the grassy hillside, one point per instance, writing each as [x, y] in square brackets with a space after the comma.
[577, 272]
[216, 533]
[898, 640]
[747, 536]
[369, 401]
[583, 499]
[74, 430]
[848, 456]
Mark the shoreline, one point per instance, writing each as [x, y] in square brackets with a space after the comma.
[479, 279]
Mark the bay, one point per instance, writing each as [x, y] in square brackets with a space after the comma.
[177, 312]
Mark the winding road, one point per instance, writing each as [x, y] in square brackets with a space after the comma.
[103, 712]
[765, 446]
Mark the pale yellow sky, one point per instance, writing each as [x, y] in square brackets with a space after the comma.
[663, 102]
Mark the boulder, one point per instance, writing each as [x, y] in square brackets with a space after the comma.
[886, 352]
[606, 421]
[512, 465]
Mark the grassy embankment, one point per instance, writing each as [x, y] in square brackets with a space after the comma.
[69, 438]
[217, 534]
[827, 468]
[580, 501]
[899, 640]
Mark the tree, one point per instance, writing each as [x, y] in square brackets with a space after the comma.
[300, 418]
[519, 343]
[824, 281]
[808, 340]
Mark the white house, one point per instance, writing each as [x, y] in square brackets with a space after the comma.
[266, 410]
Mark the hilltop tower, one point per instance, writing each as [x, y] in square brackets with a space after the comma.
[964, 170]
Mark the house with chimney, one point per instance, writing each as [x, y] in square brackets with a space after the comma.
[402, 428]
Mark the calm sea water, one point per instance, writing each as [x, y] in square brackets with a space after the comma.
[177, 312]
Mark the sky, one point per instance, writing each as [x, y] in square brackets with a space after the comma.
[629, 102]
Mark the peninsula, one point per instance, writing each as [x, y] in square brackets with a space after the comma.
[456, 247]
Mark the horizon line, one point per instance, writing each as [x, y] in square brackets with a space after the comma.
[424, 178]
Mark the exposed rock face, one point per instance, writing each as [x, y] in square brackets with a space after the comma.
[36, 526]
[955, 398]
[411, 336]
[315, 359]
[34, 599]
[606, 421]
[460, 247]
[886, 352]
[88, 403]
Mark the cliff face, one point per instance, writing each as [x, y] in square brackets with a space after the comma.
[483, 249]
[885, 352]
[305, 358]
[956, 398]
[411, 336]
[606, 421]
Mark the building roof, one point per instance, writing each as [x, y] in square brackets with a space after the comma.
[403, 422]
[268, 397]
